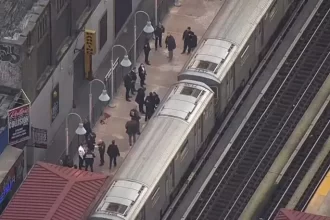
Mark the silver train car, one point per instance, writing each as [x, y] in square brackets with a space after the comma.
[153, 169]
[226, 56]
[233, 45]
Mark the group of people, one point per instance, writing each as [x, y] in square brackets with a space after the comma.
[189, 39]
[147, 104]
[130, 80]
[150, 102]
[86, 150]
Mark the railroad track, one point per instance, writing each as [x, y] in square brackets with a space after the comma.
[314, 184]
[240, 171]
[298, 168]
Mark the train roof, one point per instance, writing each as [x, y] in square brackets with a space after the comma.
[158, 144]
[225, 38]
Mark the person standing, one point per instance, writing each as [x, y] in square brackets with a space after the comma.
[156, 99]
[150, 106]
[87, 126]
[158, 35]
[81, 152]
[131, 129]
[170, 45]
[89, 160]
[91, 141]
[192, 42]
[146, 49]
[139, 99]
[185, 38]
[134, 113]
[134, 78]
[101, 146]
[128, 84]
[142, 74]
[113, 153]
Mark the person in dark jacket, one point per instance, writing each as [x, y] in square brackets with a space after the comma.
[91, 141]
[139, 99]
[192, 42]
[101, 146]
[142, 74]
[87, 126]
[159, 30]
[134, 78]
[89, 159]
[131, 129]
[134, 114]
[113, 153]
[150, 106]
[156, 99]
[128, 85]
[185, 38]
[170, 45]
[146, 49]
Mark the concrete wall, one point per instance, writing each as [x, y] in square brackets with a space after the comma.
[41, 107]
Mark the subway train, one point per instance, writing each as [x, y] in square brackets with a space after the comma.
[229, 51]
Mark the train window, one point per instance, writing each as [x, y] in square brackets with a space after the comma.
[155, 196]
[207, 65]
[215, 90]
[245, 55]
[273, 10]
[190, 91]
[184, 150]
[118, 208]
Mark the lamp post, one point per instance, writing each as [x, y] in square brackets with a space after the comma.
[156, 13]
[79, 131]
[147, 29]
[124, 63]
[104, 97]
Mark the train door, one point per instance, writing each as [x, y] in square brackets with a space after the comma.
[230, 83]
[259, 37]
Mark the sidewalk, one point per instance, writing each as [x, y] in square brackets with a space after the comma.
[197, 14]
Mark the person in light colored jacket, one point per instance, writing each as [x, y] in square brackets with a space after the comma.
[81, 152]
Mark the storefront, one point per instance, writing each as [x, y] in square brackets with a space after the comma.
[11, 174]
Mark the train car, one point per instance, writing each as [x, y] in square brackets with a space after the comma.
[144, 183]
[233, 46]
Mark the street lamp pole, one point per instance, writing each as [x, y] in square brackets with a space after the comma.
[147, 29]
[104, 97]
[80, 130]
[156, 13]
[124, 63]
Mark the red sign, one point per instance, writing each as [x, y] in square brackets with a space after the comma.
[19, 124]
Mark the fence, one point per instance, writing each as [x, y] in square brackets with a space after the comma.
[125, 38]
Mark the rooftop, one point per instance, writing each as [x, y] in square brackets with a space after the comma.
[287, 214]
[55, 192]
[14, 15]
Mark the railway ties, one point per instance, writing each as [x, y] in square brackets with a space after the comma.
[269, 126]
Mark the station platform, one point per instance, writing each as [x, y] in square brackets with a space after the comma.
[161, 75]
[320, 202]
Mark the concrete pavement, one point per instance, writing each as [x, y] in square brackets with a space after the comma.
[197, 14]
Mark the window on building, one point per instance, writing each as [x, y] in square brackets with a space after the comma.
[103, 27]
[207, 65]
[42, 25]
